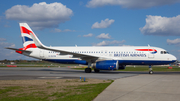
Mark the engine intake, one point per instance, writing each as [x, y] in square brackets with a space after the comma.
[106, 65]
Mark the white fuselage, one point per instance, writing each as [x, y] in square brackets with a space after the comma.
[128, 54]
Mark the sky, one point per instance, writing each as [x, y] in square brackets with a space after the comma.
[91, 23]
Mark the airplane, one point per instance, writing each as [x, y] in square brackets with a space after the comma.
[96, 57]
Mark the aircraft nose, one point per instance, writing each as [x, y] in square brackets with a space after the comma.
[173, 58]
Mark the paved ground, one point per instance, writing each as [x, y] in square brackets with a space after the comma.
[16, 73]
[128, 86]
[143, 88]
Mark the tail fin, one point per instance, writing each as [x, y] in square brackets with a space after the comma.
[26, 37]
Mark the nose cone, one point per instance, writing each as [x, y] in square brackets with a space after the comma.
[173, 58]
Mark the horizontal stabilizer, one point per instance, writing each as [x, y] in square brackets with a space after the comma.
[17, 49]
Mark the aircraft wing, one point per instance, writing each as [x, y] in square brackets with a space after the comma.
[88, 58]
[75, 55]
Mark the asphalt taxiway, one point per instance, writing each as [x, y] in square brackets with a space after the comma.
[16, 73]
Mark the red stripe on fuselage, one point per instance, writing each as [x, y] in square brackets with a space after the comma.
[145, 49]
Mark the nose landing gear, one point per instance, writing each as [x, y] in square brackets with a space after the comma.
[150, 70]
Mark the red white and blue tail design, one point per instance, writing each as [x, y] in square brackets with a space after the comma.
[26, 37]
[28, 42]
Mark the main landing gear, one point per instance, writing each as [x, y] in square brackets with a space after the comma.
[150, 70]
[96, 70]
[88, 70]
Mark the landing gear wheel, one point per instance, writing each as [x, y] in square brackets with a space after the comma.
[150, 72]
[88, 70]
[150, 69]
[96, 70]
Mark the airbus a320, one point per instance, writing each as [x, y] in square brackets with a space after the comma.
[97, 57]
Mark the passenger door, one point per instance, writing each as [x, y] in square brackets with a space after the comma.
[150, 54]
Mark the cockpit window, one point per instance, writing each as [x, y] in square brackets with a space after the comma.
[164, 52]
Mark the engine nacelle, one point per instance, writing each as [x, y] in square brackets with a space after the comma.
[106, 65]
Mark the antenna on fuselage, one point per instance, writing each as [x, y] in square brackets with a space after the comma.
[148, 47]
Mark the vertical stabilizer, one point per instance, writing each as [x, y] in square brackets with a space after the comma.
[26, 37]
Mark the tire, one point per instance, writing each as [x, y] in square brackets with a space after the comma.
[96, 70]
[88, 70]
[151, 72]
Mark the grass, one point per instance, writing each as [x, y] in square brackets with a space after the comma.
[8, 89]
[49, 91]
[82, 93]
[49, 83]
[49, 64]
[155, 68]
[146, 68]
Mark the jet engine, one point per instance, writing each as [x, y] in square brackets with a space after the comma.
[106, 65]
